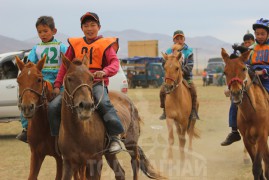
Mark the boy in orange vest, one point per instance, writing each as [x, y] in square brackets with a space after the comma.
[104, 63]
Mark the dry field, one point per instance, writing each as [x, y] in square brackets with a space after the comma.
[208, 161]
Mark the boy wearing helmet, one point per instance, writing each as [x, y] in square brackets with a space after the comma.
[187, 66]
[259, 63]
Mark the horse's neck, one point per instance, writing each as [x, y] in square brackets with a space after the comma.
[39, 121]
[254, 94]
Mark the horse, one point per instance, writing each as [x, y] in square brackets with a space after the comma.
[178, 103]
[82, 136]
[34, 94]
[252, 117]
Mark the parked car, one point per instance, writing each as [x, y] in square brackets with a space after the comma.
[118, 82]
[9, 89]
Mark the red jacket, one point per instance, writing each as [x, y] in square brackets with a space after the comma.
[110, 64]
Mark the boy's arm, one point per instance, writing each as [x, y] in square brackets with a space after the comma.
[112, 62]
[32, 55]
[188, 65]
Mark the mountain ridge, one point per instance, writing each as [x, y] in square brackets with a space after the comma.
[204, 47]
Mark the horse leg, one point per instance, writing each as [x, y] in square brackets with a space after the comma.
[59, 170]
[191, 134]
[115, 166]
[257, 164]
[68, 170]
[135, 159]
[94, 168]
[182, 141]
[170, 123]
[266, 161]
[36, 162]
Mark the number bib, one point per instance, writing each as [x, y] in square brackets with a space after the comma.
[52, 50]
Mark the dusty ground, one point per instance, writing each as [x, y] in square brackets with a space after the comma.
[208, 161]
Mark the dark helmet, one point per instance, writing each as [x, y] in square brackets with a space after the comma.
[261, 23]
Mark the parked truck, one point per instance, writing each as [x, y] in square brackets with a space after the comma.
[143, 71]
[215, 68]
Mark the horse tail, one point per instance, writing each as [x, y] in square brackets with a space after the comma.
[192, 130]
[146, 166]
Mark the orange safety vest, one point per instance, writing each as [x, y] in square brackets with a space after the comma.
[260, 54]
[95, 51]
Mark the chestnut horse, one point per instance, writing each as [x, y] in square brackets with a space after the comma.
[178, 103]
[253, 115]
[82, 132]
[34, 94]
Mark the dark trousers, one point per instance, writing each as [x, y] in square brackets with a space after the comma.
[106, 110]
[233, 116]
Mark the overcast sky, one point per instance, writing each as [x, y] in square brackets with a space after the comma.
[227, 20]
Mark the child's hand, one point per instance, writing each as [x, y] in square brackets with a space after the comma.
[99, 74]
[259, 72]
[56, 92]
[227, 92]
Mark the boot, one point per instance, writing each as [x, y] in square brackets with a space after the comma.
[115, 146]
[163, 116]
[231, 138]
[194, 114]
[22, 136]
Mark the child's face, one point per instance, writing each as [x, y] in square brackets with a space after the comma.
[248, 43]
[261, 35]
[90, 29]
[45, 33]
[179, 40]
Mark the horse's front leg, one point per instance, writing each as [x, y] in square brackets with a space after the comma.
[170, 123]
[94, 168]
[182, 141]
[35, 164]
[59, 166]
[68, 170]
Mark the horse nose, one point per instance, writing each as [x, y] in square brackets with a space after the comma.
[86, 105]
[27, 109]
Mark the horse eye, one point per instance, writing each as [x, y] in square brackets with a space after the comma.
[177, 68]
[244, 69]
[69, 78]
[39, 80]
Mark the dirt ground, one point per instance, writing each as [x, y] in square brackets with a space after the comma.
[208, 161]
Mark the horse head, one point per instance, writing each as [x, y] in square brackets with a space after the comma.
[33, 90]
[236, 73]
[173, 69]
[78, 83]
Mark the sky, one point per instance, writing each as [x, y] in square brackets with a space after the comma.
[227, 20]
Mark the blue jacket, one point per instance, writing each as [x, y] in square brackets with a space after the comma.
[52, 50]
[187, 65]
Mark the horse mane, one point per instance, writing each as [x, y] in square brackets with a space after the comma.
[77, 61]
[29, 64]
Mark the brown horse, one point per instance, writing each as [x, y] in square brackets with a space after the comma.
[34, 94]
[253, 114]
[178, 103]
[82, 133]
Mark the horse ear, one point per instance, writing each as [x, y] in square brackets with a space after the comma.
[165, 56]
[245, 56]
[40, 64]
[224, 55]
[19, 63]
[65, 61]
[85, 60]
[179, 55]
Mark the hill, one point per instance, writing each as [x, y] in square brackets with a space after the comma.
[204, 47]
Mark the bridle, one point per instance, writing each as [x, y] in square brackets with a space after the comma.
[69, 101]
[176, 82]
[41, 95]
